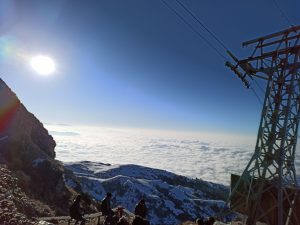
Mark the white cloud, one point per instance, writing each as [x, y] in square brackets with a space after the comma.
[209, 157]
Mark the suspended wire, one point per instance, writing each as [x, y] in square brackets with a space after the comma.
[256, 95]
[283, 14]
[221, 43]
[202, 24]
[203, 38]
[194, 30]
[259, 86]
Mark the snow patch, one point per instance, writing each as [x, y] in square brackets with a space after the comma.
[170, 198]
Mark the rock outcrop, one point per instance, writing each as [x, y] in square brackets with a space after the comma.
[28, 150]
[21, 132]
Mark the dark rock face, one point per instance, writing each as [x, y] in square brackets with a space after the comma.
[28, 150]
[21, 131]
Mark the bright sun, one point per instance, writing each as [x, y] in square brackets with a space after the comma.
[42, 64]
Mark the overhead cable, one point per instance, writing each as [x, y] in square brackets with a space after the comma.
[205, 39]
[202, 24]
[259, 86]
[256, 95]
[194, 30]
[283, 14]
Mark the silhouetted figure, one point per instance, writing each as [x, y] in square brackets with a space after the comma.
[106, 209]
[210, 221]
[199, 221]
[206, 222]
[75, 211]
[140, 221]
[141, 209]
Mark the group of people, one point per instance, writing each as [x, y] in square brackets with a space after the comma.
[111, 217]
[117, 218]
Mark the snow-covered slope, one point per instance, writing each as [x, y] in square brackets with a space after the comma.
[170, 198]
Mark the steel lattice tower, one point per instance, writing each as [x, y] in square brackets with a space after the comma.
[267, 190]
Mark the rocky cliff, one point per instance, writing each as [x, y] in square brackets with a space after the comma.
[28, 150]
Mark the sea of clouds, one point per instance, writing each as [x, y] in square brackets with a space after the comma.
[212, 157]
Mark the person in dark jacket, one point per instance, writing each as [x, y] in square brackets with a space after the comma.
[199, 221]
[141, 209]
[140, 221]
[75, 211]
[211, 220]
[106, 209]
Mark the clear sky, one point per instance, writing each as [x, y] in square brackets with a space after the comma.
[134, 63]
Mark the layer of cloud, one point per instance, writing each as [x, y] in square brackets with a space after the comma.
[210, 158]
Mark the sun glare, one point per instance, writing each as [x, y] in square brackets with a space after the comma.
[43, 65]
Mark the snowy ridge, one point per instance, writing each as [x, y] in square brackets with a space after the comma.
[170, 198]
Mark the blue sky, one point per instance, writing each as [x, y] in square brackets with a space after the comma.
[134, 63]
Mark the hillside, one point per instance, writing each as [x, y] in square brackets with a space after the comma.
[170, 198]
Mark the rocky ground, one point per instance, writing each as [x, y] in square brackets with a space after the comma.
[64, 222]
[16, 208]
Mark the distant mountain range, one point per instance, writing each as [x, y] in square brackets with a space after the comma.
[170, 198]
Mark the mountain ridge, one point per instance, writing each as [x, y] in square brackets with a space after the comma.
[171, 198]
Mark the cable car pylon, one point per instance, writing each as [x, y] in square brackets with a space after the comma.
[267, 191]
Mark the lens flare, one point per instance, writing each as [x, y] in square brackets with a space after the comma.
[7, 47]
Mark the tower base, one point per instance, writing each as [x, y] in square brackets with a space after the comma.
[258, 199]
